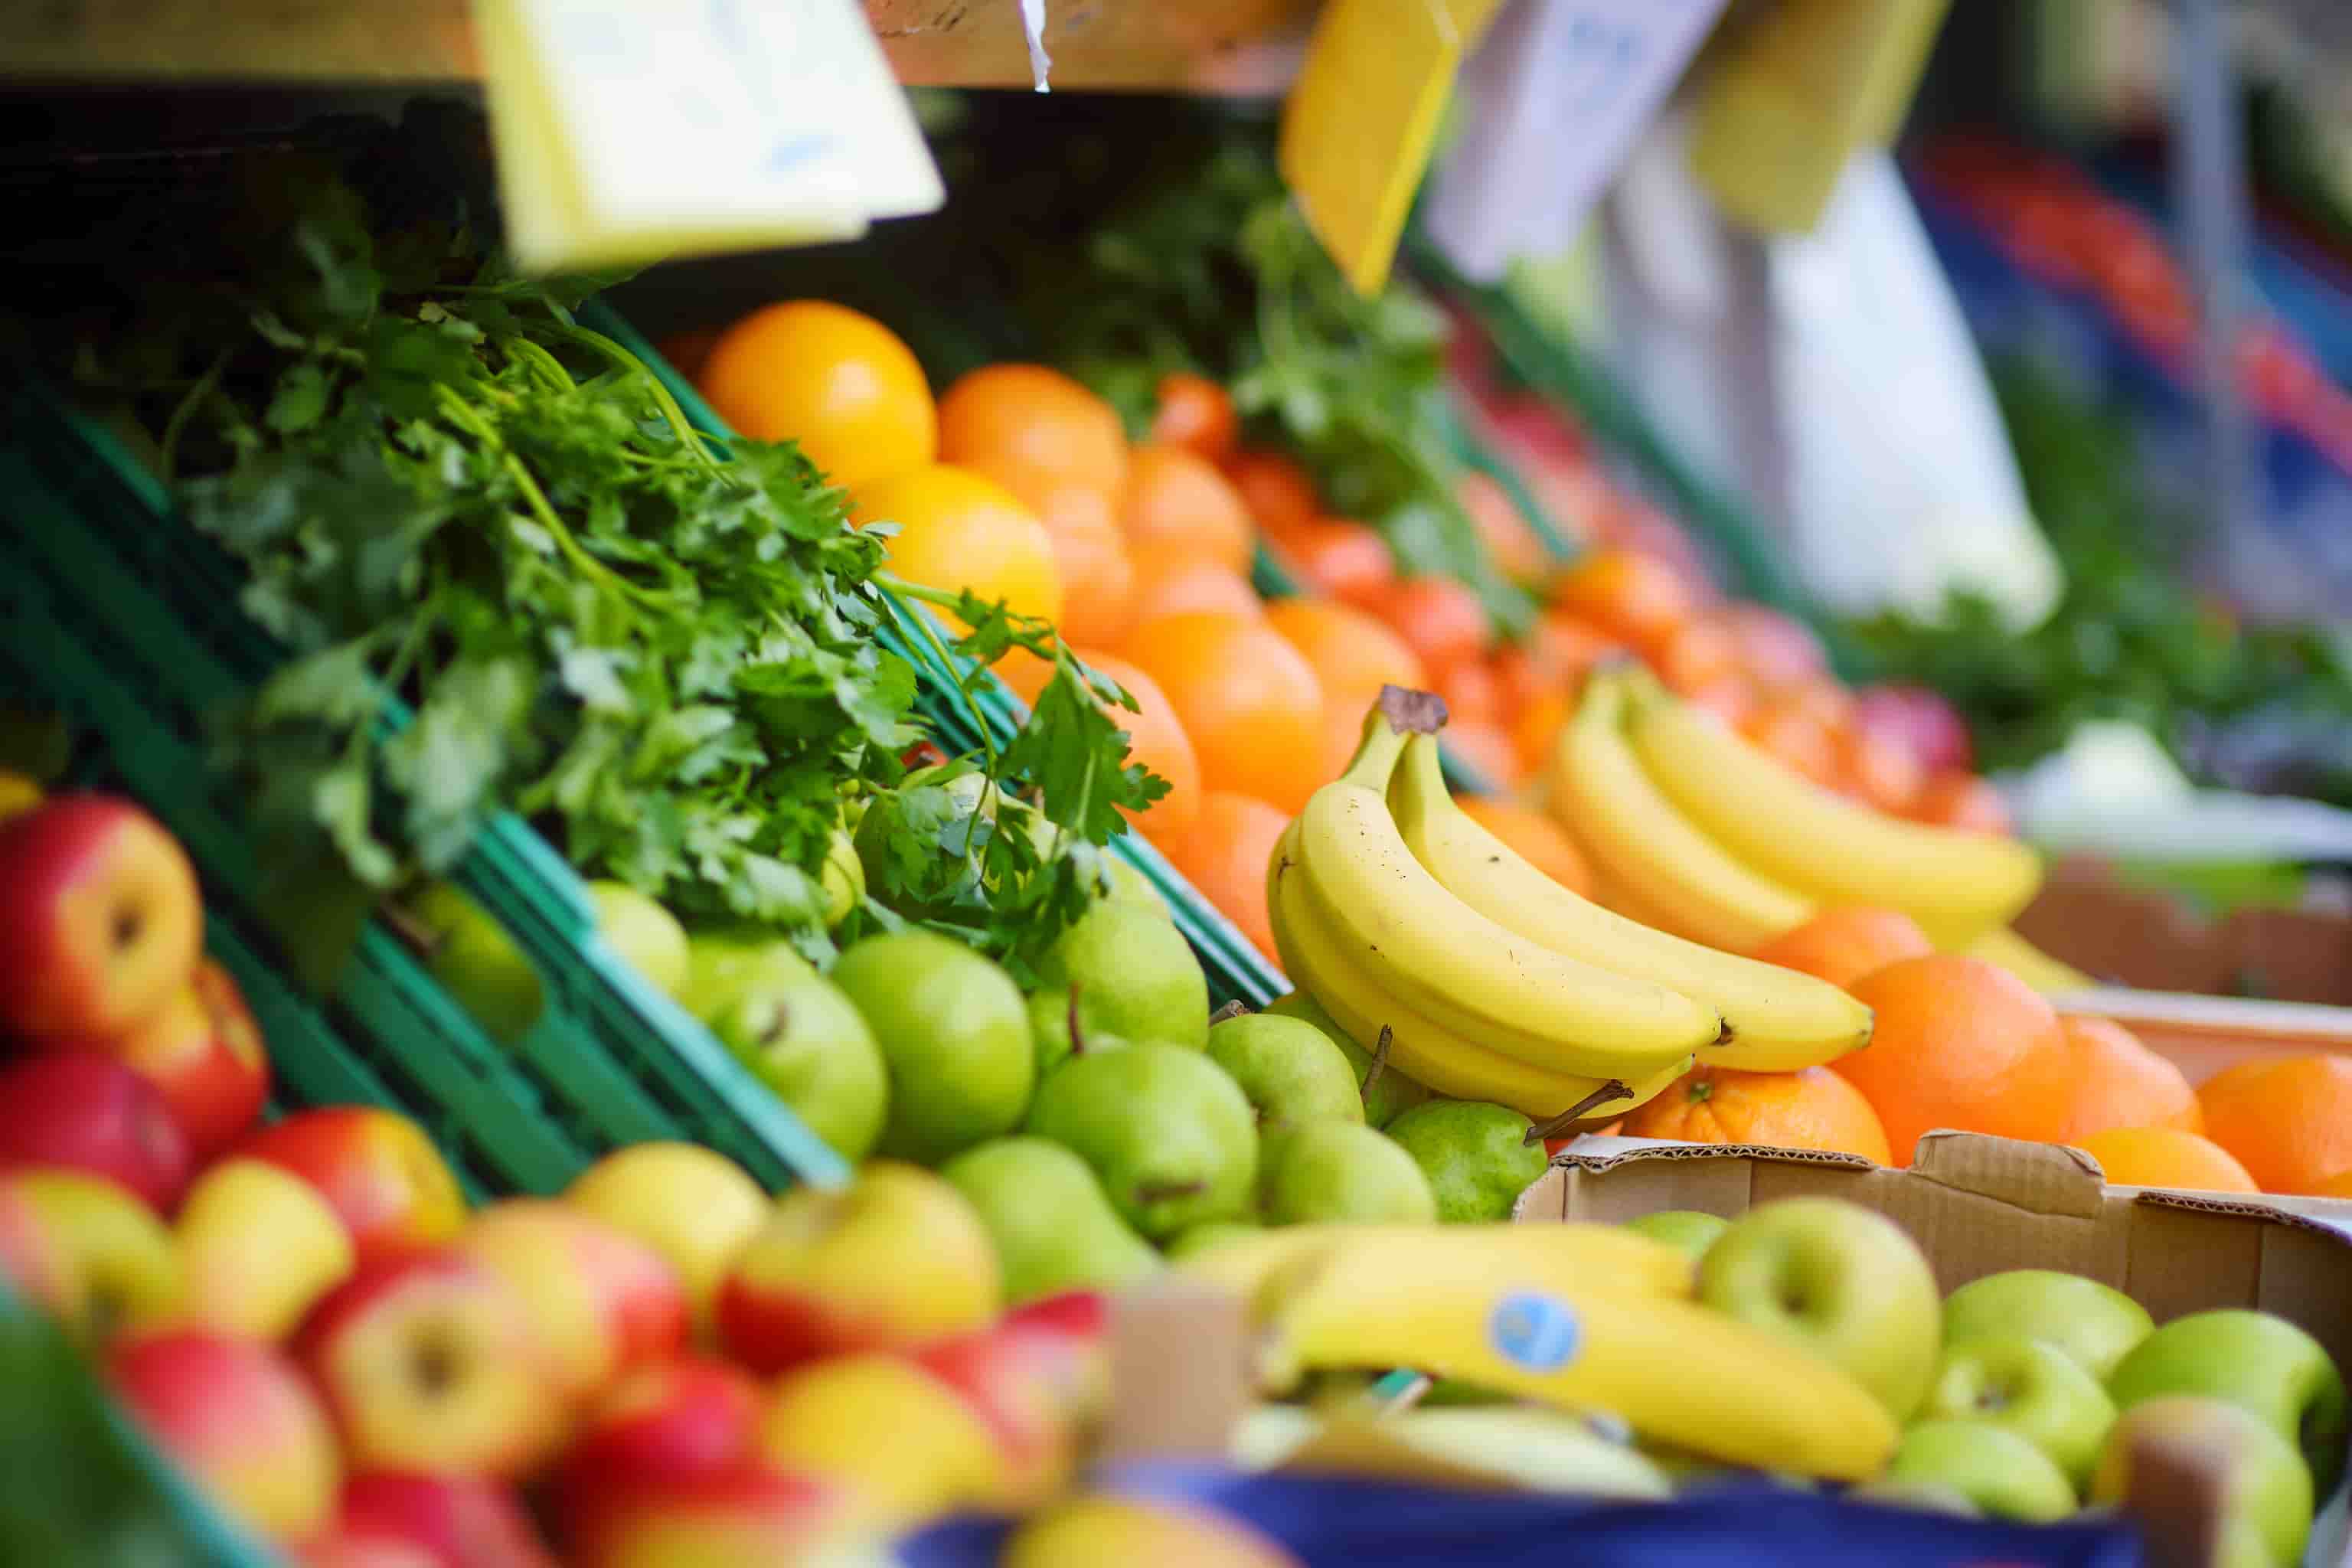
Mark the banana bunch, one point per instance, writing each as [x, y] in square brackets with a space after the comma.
[1465, 1004]
[1695, 831]
[1569, 1317]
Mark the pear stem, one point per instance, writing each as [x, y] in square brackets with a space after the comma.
[1077, 1034]
[1236, 1009]
[1380, 1059]
[1611, 1091]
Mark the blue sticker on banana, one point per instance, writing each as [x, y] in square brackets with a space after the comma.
[1535, 1330]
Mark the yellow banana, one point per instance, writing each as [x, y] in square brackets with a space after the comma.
[1456, 967]
[1260, 1269]
[1640, 843]
[1541, 1329]
[1834, 850]
[1426, 1052]
[2012, 952]
[1778, 1019]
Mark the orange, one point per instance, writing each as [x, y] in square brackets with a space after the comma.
[2289, 1119]
[1635, 597]
[1774, 650]
[1171, 581]
[1195, 414]
[1555, 656]
[958, 531]
[1790, 731]
[1730, 698]
[2334, 1187]
[1156, 738]
[1812, 1108]
[1441, 619]
[1536, 836]
[1279, 494]
[1473, 693]
[1224, 857]
[1353, 656]
[2113, 1081]
[1536, 730]
[1961, 800]
[1841, 946]
[1694, 656]
[1488, 750]
[838, 383]
[1177, 499]
[1033, 430]
[1249, 700]
[1877, 771]
[1510, 542]
[1958, 1042]
[2165, 1157]
[1097, 575]
[1339, 559]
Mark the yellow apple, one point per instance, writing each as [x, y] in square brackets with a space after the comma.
[257, 1247]
[112, 1243]
[905, 1446]
[693, 1207]
[600, 1302]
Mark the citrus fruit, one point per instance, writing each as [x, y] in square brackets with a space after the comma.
[1635, 597]
[1439, 619]
[1487, 750]
[1473, 693]
[1339, 559]
[1353, 656]
[2165, 1157]
[1171, 581]
[1730, 698]
[1090, 555]
[1877, 771]
[1958, 1042]
[1249, 700]
[1537, 728]
[2113, 1081]
[961, 532]
[1812, 1108]
[1279, 494]
[1842, 945]
[1511, 543]
[1223, 855]
[1774, 650]
[1155, 738]
[2288, 1120]
[838, 383]
[1033, 430]
[2338, 1186]
[1175, 499]
[1194, 413]
[1963, 800]
[1540, 840]
[1693, 656]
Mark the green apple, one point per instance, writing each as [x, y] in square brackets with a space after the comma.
[2266, 1489]
[1926, 1497]
[1846, 1283]
[1689, 1230]
[2262, 1363]
[1990, 1466]
[2094, 1324]
[724, 962]
[642, 933]
[807, 1042]
[476, 963]
[2035, 1390]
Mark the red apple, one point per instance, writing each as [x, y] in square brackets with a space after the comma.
[1917, 719]
[33, 1263]
[100, 919]
[687, 1416]
[89, 1113]
[1010, 1381]
[429, 1360]
[203, 1052]
[460, 1521]
[123, 1274]
[602, 1301]
[897, 1258]
[236, 1415]
[376, 1169]
[748, 1514]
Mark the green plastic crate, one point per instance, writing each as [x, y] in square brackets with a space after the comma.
[125, 620]
[1236, 971]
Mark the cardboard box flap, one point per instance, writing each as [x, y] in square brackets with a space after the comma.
[1716, 1178]
[2039, 1178]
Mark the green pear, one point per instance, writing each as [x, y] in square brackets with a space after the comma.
[954, 1034]
[806, 1041]
[1050, 1016]
[1389, 1095]
[1341, 1171]
[1689, 1230]
[1054, 1229]
[1133, 974]
[476, 963]
[723, 963]
[642, 933]
[1172, 1139]
[842, 876]
[1131, 885]
[1290, 1071]
[1474, 1155]
[1194, 1240]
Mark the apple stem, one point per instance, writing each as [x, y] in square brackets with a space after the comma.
[1236, 1009]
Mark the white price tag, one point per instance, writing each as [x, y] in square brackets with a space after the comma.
[1557, 95]
[627, 131]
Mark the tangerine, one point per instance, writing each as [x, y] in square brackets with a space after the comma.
[1488, 750]
[1176, 500]
[1842, 945]
[961, 532]
[1224, 857]
[2114, 1081]
[1632, 597]
[1511, 542]
[1694, 656]
[2165, 1157]
[1963, 800]
[1279, 493]
[1473, 693]
[1097, 575]
[1441, 620]
[838, 383]
[2288, 1119]
[1958, 1042]
[1195, 414]
[1775, 650]
[1538, 838]
[1155, 738]
[1033, 430]
[1249, 700]
[1812, 1108]
[1535, 731]
[1173, 582]
[1339, 559]
[1353, 656]
[1877, 771]
[1789, 731]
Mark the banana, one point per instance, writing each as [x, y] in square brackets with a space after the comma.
[1455, 966]
[1426, 1052]
[1668, 870]
[2048, 975]
[1523, 1446]
[1955, 884]
[1777, 1018]
[1260, 1267]
[1543, 1329]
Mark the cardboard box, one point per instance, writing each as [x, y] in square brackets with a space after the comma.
[2156, 940]
[1977, 1205]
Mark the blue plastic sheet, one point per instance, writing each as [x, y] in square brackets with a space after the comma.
[1331, 1523]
